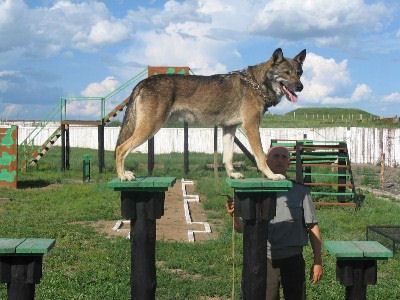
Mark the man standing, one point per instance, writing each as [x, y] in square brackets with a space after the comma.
[294, 223]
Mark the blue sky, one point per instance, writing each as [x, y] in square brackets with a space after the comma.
[50, 49]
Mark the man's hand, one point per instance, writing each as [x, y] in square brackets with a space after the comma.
[230, 207]
[316, 273]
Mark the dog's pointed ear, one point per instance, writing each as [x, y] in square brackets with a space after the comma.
[300, 57]
[277, 56]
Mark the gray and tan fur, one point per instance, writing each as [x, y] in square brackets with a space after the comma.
[225, 100]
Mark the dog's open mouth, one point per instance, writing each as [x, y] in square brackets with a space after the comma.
[290, 95]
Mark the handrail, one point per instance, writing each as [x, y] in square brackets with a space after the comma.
[42, 125]
[126, 84]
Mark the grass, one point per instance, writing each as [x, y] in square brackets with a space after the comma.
[88, 265]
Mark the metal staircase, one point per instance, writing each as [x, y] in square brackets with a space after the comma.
[38, 154]
[33, 153]
[112, 114]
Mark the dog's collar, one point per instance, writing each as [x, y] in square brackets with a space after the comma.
[249, 79]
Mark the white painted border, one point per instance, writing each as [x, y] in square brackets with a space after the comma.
[192, 198]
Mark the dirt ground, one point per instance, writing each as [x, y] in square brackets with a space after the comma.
[172, 226]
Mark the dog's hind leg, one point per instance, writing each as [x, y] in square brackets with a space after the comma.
[142, 133]
[228, 138]
[146, 126]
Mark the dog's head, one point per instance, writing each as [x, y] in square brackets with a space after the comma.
[284, 75]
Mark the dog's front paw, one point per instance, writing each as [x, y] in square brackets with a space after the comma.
[236, 175]
[128, 176]
[277, 177]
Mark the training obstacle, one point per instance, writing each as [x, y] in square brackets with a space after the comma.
[142, 202]
[255, 203]
[9, 157]
[356, 264]
[316, 162]
[21, 265]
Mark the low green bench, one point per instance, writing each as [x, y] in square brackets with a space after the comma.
[21, 265]
[356, 264]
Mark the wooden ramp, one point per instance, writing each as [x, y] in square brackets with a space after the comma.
[38, 154]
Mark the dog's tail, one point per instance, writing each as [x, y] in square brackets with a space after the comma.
[129, 121]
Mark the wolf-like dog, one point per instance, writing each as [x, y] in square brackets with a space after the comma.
[226, 100]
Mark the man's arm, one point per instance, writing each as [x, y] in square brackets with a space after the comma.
[316, 245]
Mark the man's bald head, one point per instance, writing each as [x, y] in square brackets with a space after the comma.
[278, 159]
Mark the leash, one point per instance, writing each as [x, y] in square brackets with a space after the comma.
[233, 257]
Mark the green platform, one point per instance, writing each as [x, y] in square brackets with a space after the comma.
[359, 250]
[148, 184]
[260, 185]
[29, 246]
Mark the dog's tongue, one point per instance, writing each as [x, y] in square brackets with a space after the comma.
[289, 94]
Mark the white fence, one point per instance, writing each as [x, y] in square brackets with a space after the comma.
[365, 144]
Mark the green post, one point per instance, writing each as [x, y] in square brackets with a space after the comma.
[86, 168]
[356, 265]
[142, 202]
[255, 203]
[21, 263]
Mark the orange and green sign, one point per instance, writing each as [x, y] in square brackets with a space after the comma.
[8, 156]
[167, 70]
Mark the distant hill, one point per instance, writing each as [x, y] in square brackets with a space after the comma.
[333, 111]
[328, 117]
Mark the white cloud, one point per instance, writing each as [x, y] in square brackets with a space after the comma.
[6, 78]
[329, 22]
[45, 31]
[17, 111]
[106, 32]
[87, 109]
[173, 49]
[361, 92]
[323, 77]
[392, 98]
[100, 89]
[328, 82]
[10, 110]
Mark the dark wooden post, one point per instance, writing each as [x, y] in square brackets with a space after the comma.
[185, 148]
[299, 164]
[150, 156]
[142, 202]
[216, 181]
[342, 180]
[255, 203]
[63, 147]
[356, 265]
[245, 151]
[21, 265]
[67, 148]
[100, 153]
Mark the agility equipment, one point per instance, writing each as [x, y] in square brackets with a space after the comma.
[255, 203]
[21, 265]
[9, 156]
[142, 202]
[356, 264]
[316, 163]
[33, 154]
